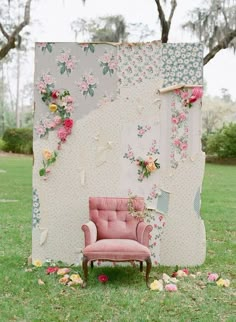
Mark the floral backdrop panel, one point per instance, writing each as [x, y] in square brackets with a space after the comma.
[104, 127]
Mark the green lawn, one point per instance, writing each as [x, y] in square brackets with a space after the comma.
[125, 297]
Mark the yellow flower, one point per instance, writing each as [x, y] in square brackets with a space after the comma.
[37, 263]
[156, 285]
[47, 154]
[222, 282]
[151, 166]
[76, 279]
[53, 107]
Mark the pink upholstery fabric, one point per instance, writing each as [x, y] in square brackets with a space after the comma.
[112, 218]
[90, 233]
[117, 249]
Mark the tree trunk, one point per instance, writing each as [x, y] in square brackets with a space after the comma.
[18, 89]
[224, 43]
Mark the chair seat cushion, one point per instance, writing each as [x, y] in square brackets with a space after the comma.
[117, 250]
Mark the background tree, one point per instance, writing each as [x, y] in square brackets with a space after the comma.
[214, 25]
[10, 32]
[108, 29]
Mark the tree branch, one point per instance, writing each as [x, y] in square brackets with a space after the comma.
[165, 25]
[221, 45]
[4, 31]
[11, 39]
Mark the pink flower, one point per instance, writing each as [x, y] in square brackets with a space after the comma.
[51, 269]
[83, 86]
[47, 79]
[184, 95]
[57, 120]
[103, 278]
[41, 87]
[52, 125]
[62, 134]
[106, 58]
[182, 117]
[212, 277]
[69, 108]
[112, 64]
[91, 80]
[186, 271]
[68, 123]
[171, 288]
[175, 120]
[183, 146]
[197, 92]
[40, 130]
[70, 64]
[69, 99]
[177, 142]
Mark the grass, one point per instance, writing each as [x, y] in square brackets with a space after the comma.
[124, 297]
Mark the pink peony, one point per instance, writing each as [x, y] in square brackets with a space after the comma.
[171, 288]
[47, 79]
[70, 64]
[41, 87]
[184, 95]
[62, 134]
[212, 277]
[69, 108]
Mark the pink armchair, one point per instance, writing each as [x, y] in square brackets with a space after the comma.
[113, 234]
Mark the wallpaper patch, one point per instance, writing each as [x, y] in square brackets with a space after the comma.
[163, 202]
[138, 62]
[35, 209]
[197, 202]
[182, 64]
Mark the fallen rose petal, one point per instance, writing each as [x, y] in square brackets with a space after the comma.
[171, 288]
[40, 282]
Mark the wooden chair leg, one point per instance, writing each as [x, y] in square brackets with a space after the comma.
[91, 264]
[141, 266]
[148, 269]
[85, 269]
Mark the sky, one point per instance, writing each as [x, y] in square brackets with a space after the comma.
[55, 16]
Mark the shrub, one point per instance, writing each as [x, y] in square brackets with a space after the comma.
[18, 140]
[223, 142]
[2, 144]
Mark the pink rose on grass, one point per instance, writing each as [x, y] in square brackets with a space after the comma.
[51, 269]
[212, 277]
[63, 271]
[171, 288]
[62, 134]
[103, 278]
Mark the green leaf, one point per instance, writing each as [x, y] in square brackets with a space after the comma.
[42, 172]
[49, 47]
[105, 70]
[63, 68]
[91, 91]
[92, 48]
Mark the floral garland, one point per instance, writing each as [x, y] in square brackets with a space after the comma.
[137, 214]
[60, 105]
[189, 97]
[147, 167]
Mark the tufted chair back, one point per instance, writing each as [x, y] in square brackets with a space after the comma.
[112, 218]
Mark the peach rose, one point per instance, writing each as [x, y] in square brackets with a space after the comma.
[47, 154]
[151, 166]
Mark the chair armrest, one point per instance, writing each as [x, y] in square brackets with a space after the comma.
[143, 231]
[90, 233]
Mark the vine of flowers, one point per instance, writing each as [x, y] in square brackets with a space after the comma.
[130, 154]
[146, 167]
[66, 62]
[179, 133]
[109, 63]
[87, 84]
[142, 130]
[153, 149]
[60, 106]
[189, 96]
